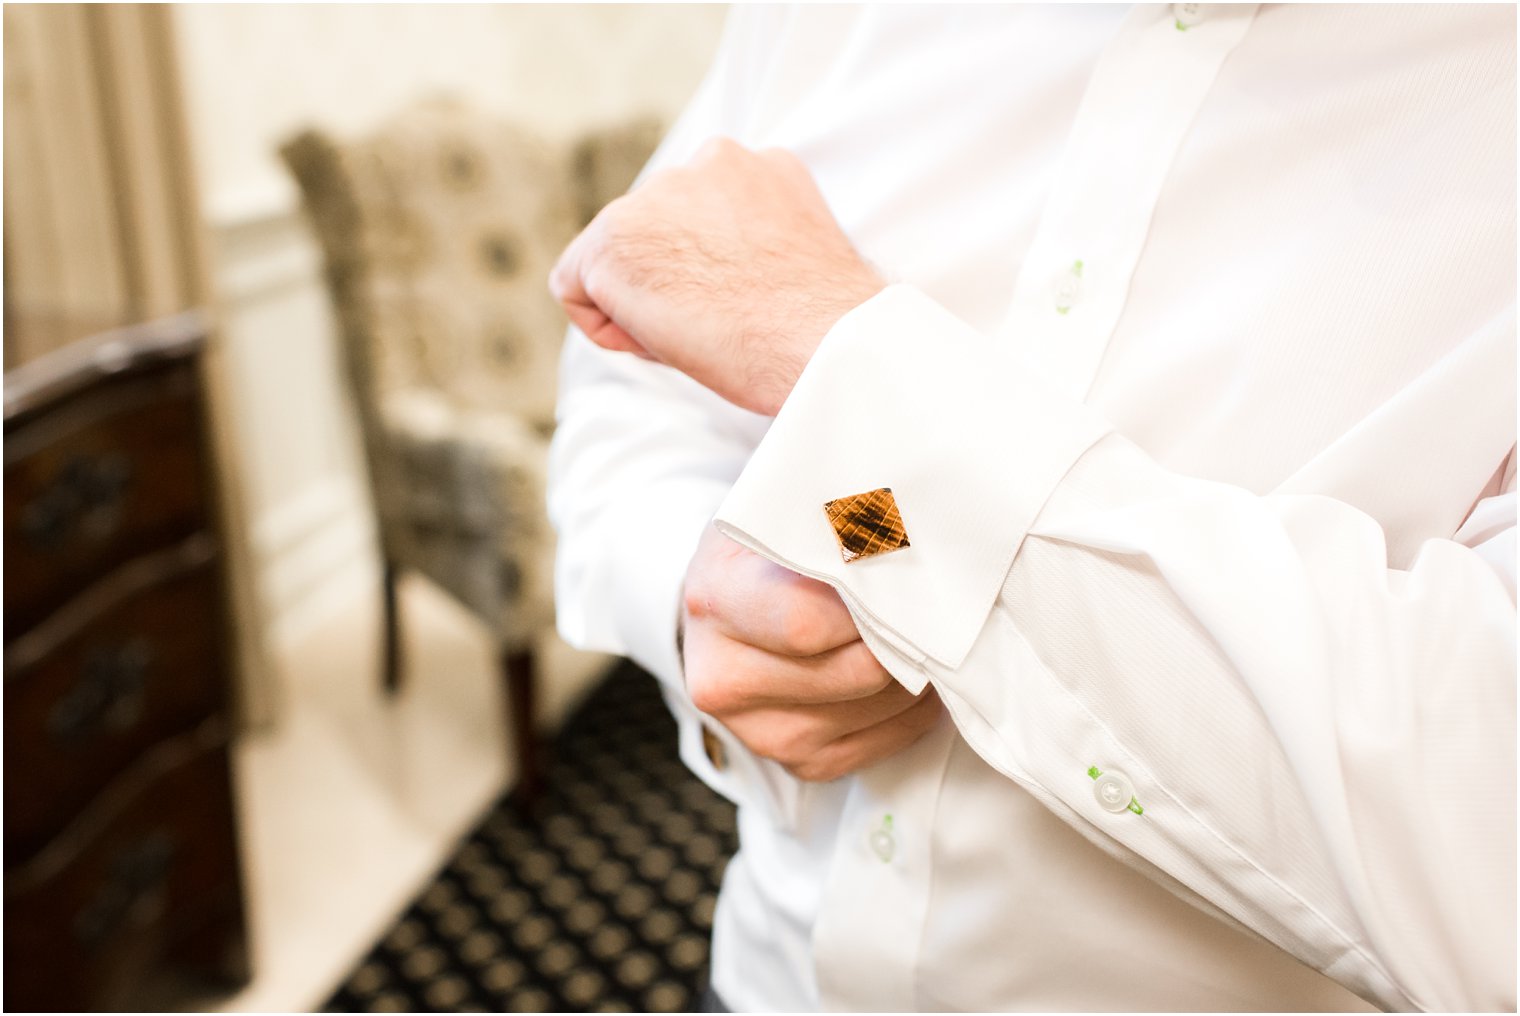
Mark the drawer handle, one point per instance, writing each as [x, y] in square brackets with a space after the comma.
[108, 694]
[83, 501]
[134, 889]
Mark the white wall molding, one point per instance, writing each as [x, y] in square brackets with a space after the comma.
[257, 199]
[302, 517]
[265, 273]
[313, 541]
[315, 554]
[262, 246]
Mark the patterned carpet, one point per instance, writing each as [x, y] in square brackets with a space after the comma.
[603, 902]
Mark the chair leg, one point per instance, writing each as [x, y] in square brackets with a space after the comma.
[520, 674]
[391, 623]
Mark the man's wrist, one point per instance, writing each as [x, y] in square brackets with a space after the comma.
[821, 313]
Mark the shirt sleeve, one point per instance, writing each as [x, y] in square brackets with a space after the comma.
[642, 456]
[1314, 742]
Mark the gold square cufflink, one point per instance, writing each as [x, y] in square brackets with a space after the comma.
[867, 524]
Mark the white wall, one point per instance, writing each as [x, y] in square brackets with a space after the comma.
[252, 76]
[256, 73]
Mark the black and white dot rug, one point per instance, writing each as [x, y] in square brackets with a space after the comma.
[601, 902]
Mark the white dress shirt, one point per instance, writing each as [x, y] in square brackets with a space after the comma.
[1196, 391]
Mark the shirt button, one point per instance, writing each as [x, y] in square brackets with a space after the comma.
[882, 843]
[1187, 15]
[1068, 288]
[1114, 791]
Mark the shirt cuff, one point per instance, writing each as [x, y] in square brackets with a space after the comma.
[903, 394]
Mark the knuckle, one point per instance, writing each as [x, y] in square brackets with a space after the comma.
[867, 676]
[616, 210]
[654, 189]
[625, 218]
[801, 631]
[788, 164]
[712, 150]
[697, 597]
[799, 741]
[778, 743]
[766, 746]
[811, 625]
[717, 146]
[702, 590]
[805, 771]
[709, 695]
[816, 770]
[605, 232]
[782, 157]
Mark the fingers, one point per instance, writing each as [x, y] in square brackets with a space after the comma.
[863, 748]
[768, 607]
[604, 331]
[567, 282]
[751, 600]
[750, 628]
[792, 734]
[567, 285]
[725, 676]
[824, 741]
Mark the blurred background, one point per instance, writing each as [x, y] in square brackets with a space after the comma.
[286, 723]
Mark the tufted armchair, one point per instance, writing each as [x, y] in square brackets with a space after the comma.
[439, 231]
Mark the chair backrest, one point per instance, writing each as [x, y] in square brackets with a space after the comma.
[606, 161]
[439, 232]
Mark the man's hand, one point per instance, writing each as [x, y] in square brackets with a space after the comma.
[730, 269]
[776, 659]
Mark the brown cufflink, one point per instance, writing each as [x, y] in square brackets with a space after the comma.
[867, 524]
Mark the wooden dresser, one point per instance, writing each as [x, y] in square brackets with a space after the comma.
[123, 886]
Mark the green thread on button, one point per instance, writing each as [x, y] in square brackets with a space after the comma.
[881, 841]
[1094, 772]
[1064, 299]
[1180, 26]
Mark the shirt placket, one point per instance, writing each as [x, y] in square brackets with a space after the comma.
[871, 921]
[1142, 98]
[1143, 95]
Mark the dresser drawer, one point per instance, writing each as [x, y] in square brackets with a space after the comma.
[95, 481]
[136, 660]
[149, 896]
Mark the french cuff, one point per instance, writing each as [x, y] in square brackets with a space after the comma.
[903, 395]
